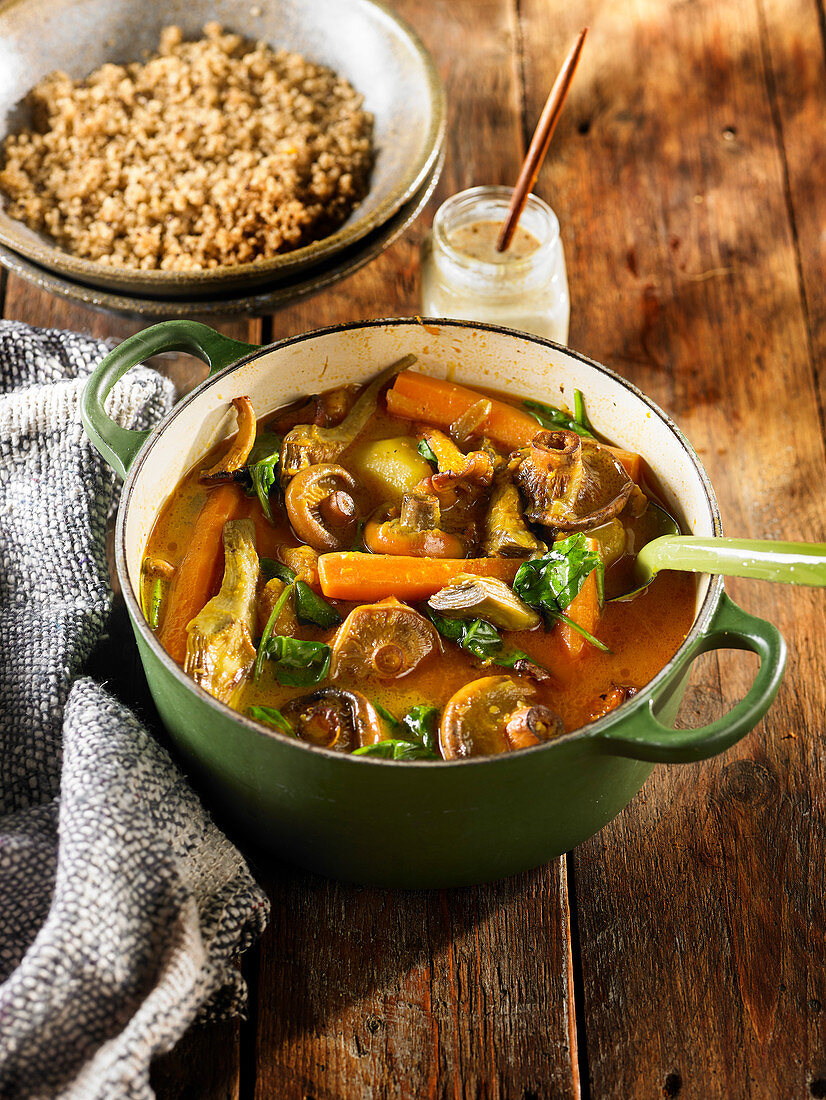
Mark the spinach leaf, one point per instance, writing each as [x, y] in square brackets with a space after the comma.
[426, 451]
[422, 723]
[397, 750]
[271, 717]
[272, 568]
[549, 416]
[479, 638]
[420, 726]
[268, 629]
[309, 607]
[396, 727]
[551, 582]
[262, 466]
[297, 663]
[580, 415]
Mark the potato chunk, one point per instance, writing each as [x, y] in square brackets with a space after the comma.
[389, 467]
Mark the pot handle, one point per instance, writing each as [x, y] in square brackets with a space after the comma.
[731, 628]
[119, 446]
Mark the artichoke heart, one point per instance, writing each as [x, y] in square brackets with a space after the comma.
[219, 649]
[472, 597]
[506, 533]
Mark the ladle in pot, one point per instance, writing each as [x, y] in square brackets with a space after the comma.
[761, 559]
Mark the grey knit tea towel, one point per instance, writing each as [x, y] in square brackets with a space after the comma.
[122, 906]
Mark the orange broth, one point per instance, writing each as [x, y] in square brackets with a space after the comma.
[642, 635]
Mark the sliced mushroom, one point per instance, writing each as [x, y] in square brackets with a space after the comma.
[386, 639]
[531, 724]
[334, 719]
[334, 405]
[472, 597]
[413, 533]
[321, 508]
[506, 533]
[239, 450]
[494, 715]
[457, 472]
[570, 483]
[308, 444]
[219, 649]
[420, 512]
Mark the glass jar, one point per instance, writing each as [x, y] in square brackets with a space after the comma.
[525, 287]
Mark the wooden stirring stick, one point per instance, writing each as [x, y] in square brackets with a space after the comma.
[539, 143]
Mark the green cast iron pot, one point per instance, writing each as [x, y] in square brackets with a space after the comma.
[417, 824]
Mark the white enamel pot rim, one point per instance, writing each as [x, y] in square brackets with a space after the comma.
[708, 604]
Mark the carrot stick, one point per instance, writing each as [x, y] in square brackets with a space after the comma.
[629, 459]
[584, 610]
[199, 573]
[419, 397]
[350, 576]
[416, 396]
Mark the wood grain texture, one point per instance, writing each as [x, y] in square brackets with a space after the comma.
[700, 908]
[407, 996]
[687, 171]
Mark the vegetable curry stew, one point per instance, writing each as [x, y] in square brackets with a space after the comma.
[413, 570]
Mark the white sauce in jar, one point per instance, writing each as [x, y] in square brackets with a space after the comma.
[478, 241]
[463, 276]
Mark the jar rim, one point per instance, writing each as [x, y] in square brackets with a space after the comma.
[467, 199]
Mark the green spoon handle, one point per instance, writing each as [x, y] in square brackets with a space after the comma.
[762, 559]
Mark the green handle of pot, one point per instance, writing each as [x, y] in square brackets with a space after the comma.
[119, 446]
[731, 628]
[760, 559]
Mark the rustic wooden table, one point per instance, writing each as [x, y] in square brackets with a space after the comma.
[682, 951]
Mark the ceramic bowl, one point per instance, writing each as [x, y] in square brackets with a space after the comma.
[361, 39]
[418, 824]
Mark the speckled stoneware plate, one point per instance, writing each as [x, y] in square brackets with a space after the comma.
[263, 300]
[362, 40]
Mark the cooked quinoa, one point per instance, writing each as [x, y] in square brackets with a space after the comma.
[219, 151]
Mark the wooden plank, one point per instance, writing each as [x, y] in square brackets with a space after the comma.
[460, 994]
[701, 908]
[367, 993]
[792, 36]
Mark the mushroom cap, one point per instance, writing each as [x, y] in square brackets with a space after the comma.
[491, 716]
[334, 719]
[305, 499]
[603, 491]
[386, 639]
[571, 483]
